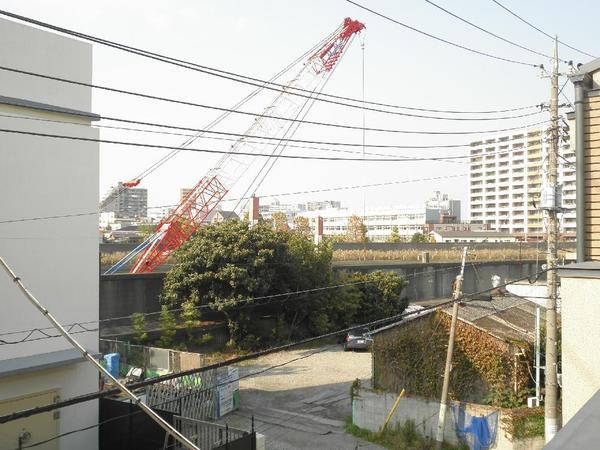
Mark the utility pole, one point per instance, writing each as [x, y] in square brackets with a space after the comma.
[551, 204]
[456, 295]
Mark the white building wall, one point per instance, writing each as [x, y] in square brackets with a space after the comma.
[57, 259]
[506, 175]
[379, 222]
[580, 315]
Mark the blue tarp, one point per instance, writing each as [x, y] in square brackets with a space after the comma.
[478, 432]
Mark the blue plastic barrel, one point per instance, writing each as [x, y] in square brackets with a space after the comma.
[112, 364]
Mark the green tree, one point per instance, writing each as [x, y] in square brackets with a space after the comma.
[381, 295]
[138, 325]
[227, 263]
[167, 326]
[357, 230]
[395, 235]
[190, 315]
[418, 238]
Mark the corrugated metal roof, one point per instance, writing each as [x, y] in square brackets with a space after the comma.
[505, 317]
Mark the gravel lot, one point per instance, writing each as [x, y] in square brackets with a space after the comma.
[304, 404]
[329, 365]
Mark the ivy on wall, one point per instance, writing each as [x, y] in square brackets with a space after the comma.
[523, 423]
[412, 357]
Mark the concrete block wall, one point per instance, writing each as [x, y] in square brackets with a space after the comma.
[370, 409]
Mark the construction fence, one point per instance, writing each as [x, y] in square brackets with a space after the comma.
[153, 360]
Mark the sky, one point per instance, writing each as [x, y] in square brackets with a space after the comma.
[258, 38]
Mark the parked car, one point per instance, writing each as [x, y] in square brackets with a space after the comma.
[358, 339]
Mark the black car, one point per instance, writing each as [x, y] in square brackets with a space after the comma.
[358, 339]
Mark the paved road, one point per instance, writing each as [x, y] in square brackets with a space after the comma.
[302, 405]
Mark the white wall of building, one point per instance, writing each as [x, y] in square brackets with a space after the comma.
[506, 175]
[57, 259]
[379, 222]
[580, 315]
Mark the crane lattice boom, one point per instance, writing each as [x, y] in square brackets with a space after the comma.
[279, 120]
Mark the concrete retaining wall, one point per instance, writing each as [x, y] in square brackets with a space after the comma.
[125, 294]
[370, 409]
[434, 280]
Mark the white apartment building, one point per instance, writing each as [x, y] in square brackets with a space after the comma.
[379, 221]
[56, 259]
[506, 175]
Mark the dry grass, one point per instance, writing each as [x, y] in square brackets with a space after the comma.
[445, 255]
[108, 259]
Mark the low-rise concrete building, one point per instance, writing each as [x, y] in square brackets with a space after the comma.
[502, 329]
[492, 360]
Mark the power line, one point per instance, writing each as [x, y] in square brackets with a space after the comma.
[100, 394]
[445, 41]
[96, 395]
[236, 136]
[245, 113]
[538, 29]
[339, 188]
[489, 32]
[224, 383]
[284, 194]
[239, 304]
[228, 75]
[213, 151]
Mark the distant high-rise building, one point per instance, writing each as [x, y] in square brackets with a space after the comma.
[126, 202]
[449, 209]
[506, 177]
[325, 204]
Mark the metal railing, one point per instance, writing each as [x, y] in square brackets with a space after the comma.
[206, 435]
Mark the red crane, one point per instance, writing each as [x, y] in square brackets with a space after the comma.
[279, 120]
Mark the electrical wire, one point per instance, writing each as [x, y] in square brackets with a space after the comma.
[161, 378]
[245, 113]
[216, 386]
[259, 155]
[284, 194]
[437, 38]
[489, 32]
[237, 135]
[538, 29]
[216, 72]
[224, 363]
[239, 304]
